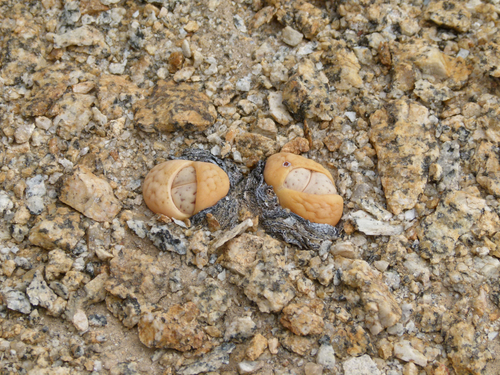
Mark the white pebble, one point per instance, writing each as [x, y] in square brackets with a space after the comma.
[80, 320]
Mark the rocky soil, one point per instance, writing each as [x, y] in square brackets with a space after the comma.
[400, 100]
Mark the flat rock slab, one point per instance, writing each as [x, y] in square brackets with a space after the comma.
[90, 195]
[403, 137]
[172, 107]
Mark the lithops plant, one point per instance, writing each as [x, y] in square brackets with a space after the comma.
[182, 188]
[304, 187]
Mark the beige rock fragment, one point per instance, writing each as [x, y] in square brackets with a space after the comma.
[73, 113]
[256, 347]
[59, 263]
[172, 107]
[254, 147]
[403, 137]
[83, 36]
[452, 14]
[277, 109]
[116, 94]
[341, 62]
[49, 84]
[406, 352]
[486, 163]
[80, 320]
[491, 58]
[465, 349]
[211, 299]
[59, 227]
[91, 195]
[301, 15]
[455, 215]
[176, 328]
[381, 308]
[306, 93]
[304, 318]
[300, 345]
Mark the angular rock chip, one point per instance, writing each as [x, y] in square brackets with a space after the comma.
[60, 227]
[455, 215]
[90, 195]
[209, 362]
[211, 299]
[451, 14]
[116, 94]
[465, 350]
[15, 300]
[306, 93]
[342, 64]
[304, 318]
[403, 137]
[172, 107]
[73, 113]
[302, 16]
[176, 328]
[40, 294]
[381, 308]
[486, 163]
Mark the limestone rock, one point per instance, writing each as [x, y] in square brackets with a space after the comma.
[406, 352]
[212, 301]
[172, 107]
[381, 308]
[256, 347]
[277, 110]
[73, 113]
[403, 137]
[455, 215]
[15, 300]
[465, 351]
[60, 228]
[240, 329]
[40, 294]
[452, 14]
[490, 62]
[302, 16]
[254, 147]
[116, 94]
[363, 365]
[49, 84]
[486, 163]
[342, 65]
[430, 60]
[306, 93]
[176, 328]
[59, 263]
[209, 362]
[91, 195]
[304, 318]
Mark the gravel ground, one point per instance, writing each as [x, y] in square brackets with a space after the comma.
[400, 101]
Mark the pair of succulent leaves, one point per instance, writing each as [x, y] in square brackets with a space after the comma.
[182, 188]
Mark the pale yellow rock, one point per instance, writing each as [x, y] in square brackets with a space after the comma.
[91, 195]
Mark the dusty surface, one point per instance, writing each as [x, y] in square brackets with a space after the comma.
[400, 101]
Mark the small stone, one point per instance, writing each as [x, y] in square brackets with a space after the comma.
[368, 225]
[211, 361]
[40, 294]
[8, 267]
[97, 320]
[277, 109]
[240, 329]
[313, 369]
[306, 94]
[176, 328]
[247, 367]
[381, 308]
[300, 345]
[304, 318]
[342, 65]
[116, 94]
[59, 264]
[266, 127]
[244, 84]
[410, 369]
[83, 36]
[60, 227]
[256, 347]
[163, 240]
[5, 202]
[450, 14]
[211, 300]
[23, 133]
[291, 37]
[80, 320]
[15, 300]
[35, 191]
[273, 344]
[73, 112]
[363, 365]
[91, 195]
[406, 352]
[296, 146]
[326, 356]
[172, 107]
